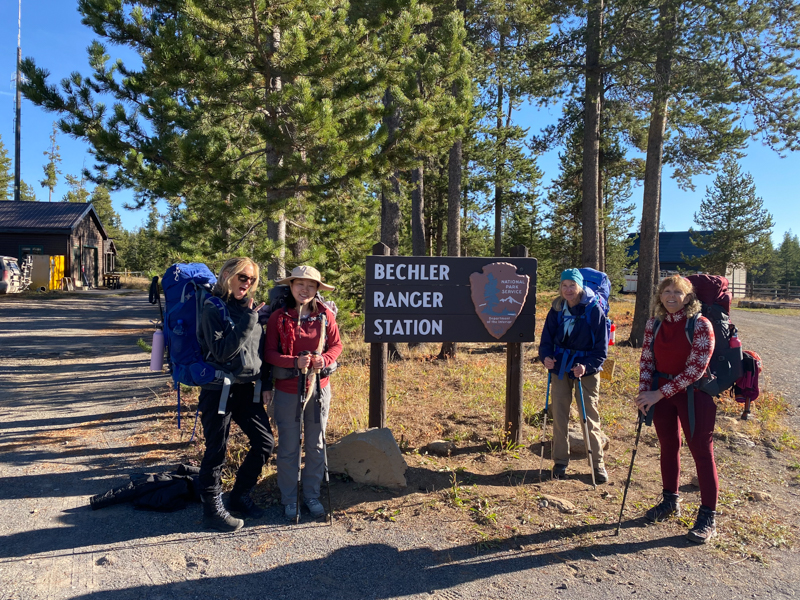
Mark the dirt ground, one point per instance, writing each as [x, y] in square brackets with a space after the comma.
[81, 411]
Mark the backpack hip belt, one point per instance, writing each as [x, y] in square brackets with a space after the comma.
[569, 359]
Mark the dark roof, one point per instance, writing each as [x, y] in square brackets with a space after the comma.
[45, 217]
[673, 245]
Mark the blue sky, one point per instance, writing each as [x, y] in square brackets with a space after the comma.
[53, 35]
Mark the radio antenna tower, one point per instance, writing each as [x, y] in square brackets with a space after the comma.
[17, 148]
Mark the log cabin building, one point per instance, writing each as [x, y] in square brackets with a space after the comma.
[68, 229]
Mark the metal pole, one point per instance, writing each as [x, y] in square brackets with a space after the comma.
[17, 124]
[630, 471]
[586, 439]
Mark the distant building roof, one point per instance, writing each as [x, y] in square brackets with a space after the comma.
[45, 217]
[673, 246]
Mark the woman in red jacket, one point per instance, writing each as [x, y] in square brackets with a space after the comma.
[303, 335]
[669, 366]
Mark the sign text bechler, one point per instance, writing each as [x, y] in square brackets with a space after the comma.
[437, 299]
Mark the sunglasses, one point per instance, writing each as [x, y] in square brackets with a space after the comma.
[246, 279]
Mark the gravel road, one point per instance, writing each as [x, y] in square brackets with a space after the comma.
[73, 393]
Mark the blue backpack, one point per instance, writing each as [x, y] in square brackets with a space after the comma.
[187, 287]
[600, 284]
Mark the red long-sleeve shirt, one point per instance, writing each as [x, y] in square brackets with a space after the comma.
[696, 364]
[307, 337]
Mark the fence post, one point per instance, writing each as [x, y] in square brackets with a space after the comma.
[515, 355]
[378, 362]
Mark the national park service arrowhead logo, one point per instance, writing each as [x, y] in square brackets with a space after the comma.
[499, 294]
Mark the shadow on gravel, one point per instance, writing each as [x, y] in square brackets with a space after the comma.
[376, 571]
[87, 421]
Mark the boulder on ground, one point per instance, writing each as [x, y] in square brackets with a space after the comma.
[441, 448]
[577, 448]
[371, 456]
[759, 497]
[564, 506]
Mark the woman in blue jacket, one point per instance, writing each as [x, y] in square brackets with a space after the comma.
[573, 348]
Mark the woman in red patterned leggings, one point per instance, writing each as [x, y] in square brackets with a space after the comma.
[669, 366]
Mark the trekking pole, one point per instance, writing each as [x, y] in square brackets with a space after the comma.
[586, 442]
[302, 400]
[642, 419]
[325, 461]
[544, 427]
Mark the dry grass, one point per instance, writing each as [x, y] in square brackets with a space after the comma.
[134, 283]
[490, 490]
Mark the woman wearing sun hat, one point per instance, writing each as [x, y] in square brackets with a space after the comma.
[303, 335]
[574, 347]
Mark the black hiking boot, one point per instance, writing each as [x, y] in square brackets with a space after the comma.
[600, 475]
[705, 527]
[669, 506]
[216, 517]
[559, 471]
[242, 503]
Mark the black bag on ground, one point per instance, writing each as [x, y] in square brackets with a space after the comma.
[163, 492]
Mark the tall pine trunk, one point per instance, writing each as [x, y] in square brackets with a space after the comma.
[454, 173]
[647, 279]
[390, 198]
[590, 249]
[390, 190]
[418, 211]
[276, 229]
[500, 155]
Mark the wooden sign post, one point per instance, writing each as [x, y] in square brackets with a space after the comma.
[378, 363]
[450, 299]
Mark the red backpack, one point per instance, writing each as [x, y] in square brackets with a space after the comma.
[726, 361]
[746, 388]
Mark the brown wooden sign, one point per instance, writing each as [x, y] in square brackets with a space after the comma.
[436, 299]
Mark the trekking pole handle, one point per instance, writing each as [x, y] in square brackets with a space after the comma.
[304, 370]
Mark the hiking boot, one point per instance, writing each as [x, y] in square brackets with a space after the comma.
[216, 517]
[290, 511]
[669, 506]
[705, 527]
[244, 505]
[600, 475]
[559, 471]
[315, 507]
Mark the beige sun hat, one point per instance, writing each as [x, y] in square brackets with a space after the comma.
[306, 272]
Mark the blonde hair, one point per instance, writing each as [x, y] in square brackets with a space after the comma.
[693, 305]
[558, 303]
[230, 270]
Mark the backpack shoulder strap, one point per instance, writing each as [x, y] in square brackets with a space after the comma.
[656, 326]
[691, 322]
[218, 304]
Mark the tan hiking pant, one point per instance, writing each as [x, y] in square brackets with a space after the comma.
[561, 392]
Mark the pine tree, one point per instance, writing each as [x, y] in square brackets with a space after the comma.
[51, 170]
[26, 192]
[6, 176]
[101, 201]
[502, 35]
[240, 109]
[706, 64]
[78, 191]
[740, 225]
[787, 260]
